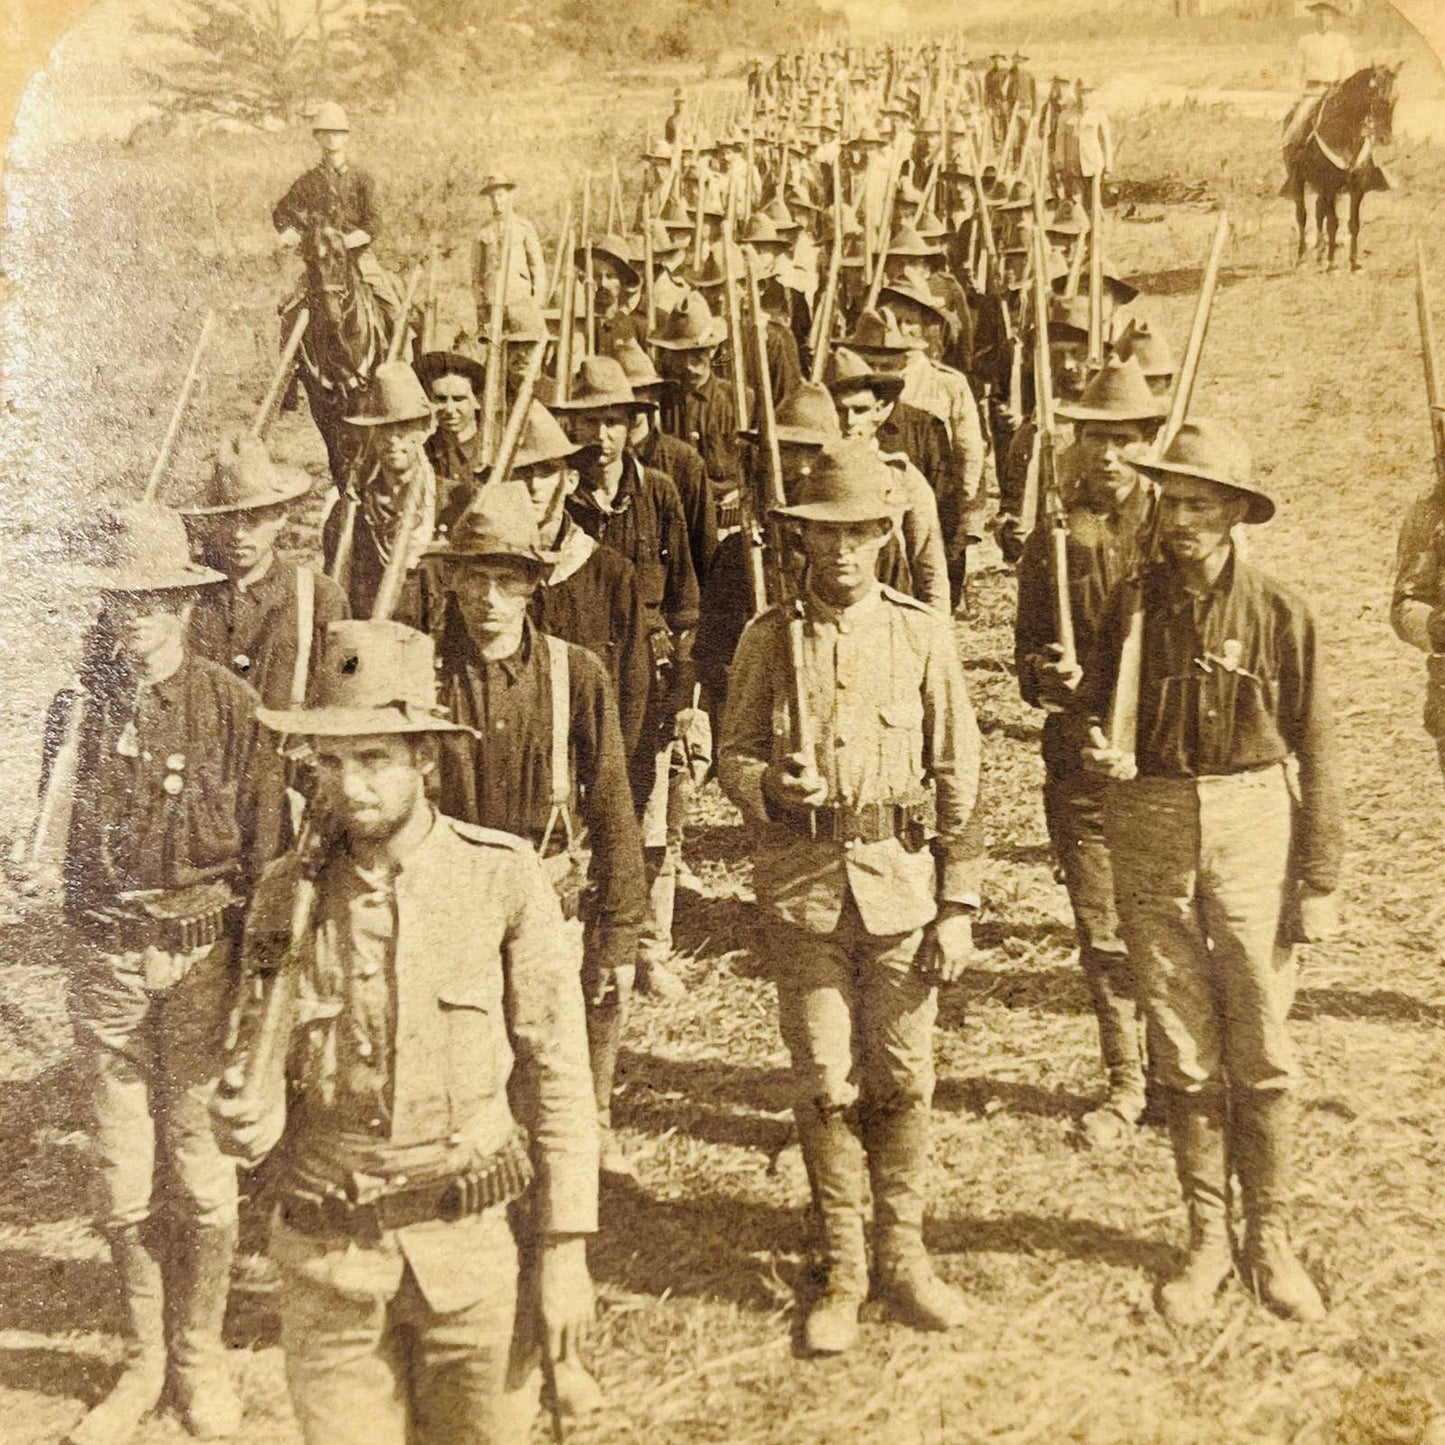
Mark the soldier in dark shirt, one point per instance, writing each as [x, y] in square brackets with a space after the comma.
[1224, 828]
[1107, 509]
[637, 511]
[174, 795]
[454, 383]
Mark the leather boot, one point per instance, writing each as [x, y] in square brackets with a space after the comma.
[1264, 1133]
[833, 1155]
[1196, 1130]
[137, 1392]
[205, 1398]
[604, 1043]
[1112, 1123]
[897, 1142]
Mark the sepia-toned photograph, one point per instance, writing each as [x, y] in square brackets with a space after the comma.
[722, 721]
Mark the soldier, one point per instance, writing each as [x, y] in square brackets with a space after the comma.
[1108, 511]
[455, 384]
[1325, 58]
[337, 194]
[856, 872]
[175, 795]
[669, 256]
[438, 1065]
[616, 290]
[636, 511]
[1224, 853]
[544, 757]
[1089, 145]
[866, 399]
[670, 455]
[702, 411]
[527, 275]
[931, 386]
[358, 536]
[265, 623]
[1415, 607]
[1146, 344]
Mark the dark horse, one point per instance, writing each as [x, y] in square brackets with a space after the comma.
[1337, 154]
[346, 337]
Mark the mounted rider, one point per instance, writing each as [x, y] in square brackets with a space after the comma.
[336, 193]
[1325, 59]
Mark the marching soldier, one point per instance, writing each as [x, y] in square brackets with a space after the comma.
[359, 535]
[264, 624]
[636, 511]
[1108, 511]
[454, 384]
[858, 808]
[1224, 831]
[175, 811]
[527, 275]
[616, 291]
[438, 1067]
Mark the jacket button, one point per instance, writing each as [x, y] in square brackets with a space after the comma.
[364, 1048]
[373, 1124]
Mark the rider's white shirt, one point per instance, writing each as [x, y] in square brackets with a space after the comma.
[1325, 59]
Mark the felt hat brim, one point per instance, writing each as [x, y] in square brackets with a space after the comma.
[836, 511]
[171, 579]
[1261, 506]
[298, 485]
[348, 722]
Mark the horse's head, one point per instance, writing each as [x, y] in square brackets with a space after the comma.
[1379, 100]
[330, 269]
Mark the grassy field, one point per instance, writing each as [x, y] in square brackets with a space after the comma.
[115, 256]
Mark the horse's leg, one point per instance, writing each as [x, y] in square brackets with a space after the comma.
[1301, 218]
[1332, 218]
[1356, 196]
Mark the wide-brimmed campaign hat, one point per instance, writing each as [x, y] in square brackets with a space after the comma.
[1214, 452]
[848, 482]
[1120, 392]
[674, 215]
[761, 231]
[903, 291]
[542, 440]
[906, 241]
[806, 417]
[610, 248]
[691, 327]
[847, 372]
[1069, 318]
[451, 363]
[1147, 345]
[495, 182]
[395, 395]
[1068, 219]
[499, 524]
[876, 337]
[778, 213]
[664, 243]
[245, 479]
[641, 374]
[599, 383]
[368, 677]
[143, 547]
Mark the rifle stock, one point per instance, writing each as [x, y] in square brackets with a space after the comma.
[267, 410]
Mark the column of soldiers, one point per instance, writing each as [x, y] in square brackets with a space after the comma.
[405, 836]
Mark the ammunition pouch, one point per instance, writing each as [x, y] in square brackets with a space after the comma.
[498, 1179]
[173, 920]
[913, 821]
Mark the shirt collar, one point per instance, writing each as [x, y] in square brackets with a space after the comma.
[845, 618]
[253, 581]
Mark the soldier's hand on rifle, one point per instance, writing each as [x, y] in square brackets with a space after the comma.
[1057, 683]
[243, 1128]
[795, 783]
[1110, 762]
[357, 239]
[599, 980]
[947, 945]
[1319, 917]
[289, 237]
[566, 1294]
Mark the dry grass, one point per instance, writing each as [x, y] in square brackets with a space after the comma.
[696, 1269]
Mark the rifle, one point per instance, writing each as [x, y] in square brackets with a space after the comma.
[614, 201]
[494, 378]
[885, 234]
[563, 251]
[1096, 272]
[178, 413]
[1123, 722]
[1434, 395]
[767, 433]
[279, 377]
[649, 304]
[1046, 443]
[567, 323]
[822, 329]
[589, 280]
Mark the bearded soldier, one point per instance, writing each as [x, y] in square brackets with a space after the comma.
[1224, 832]
[438, 1067]
[860, 806]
